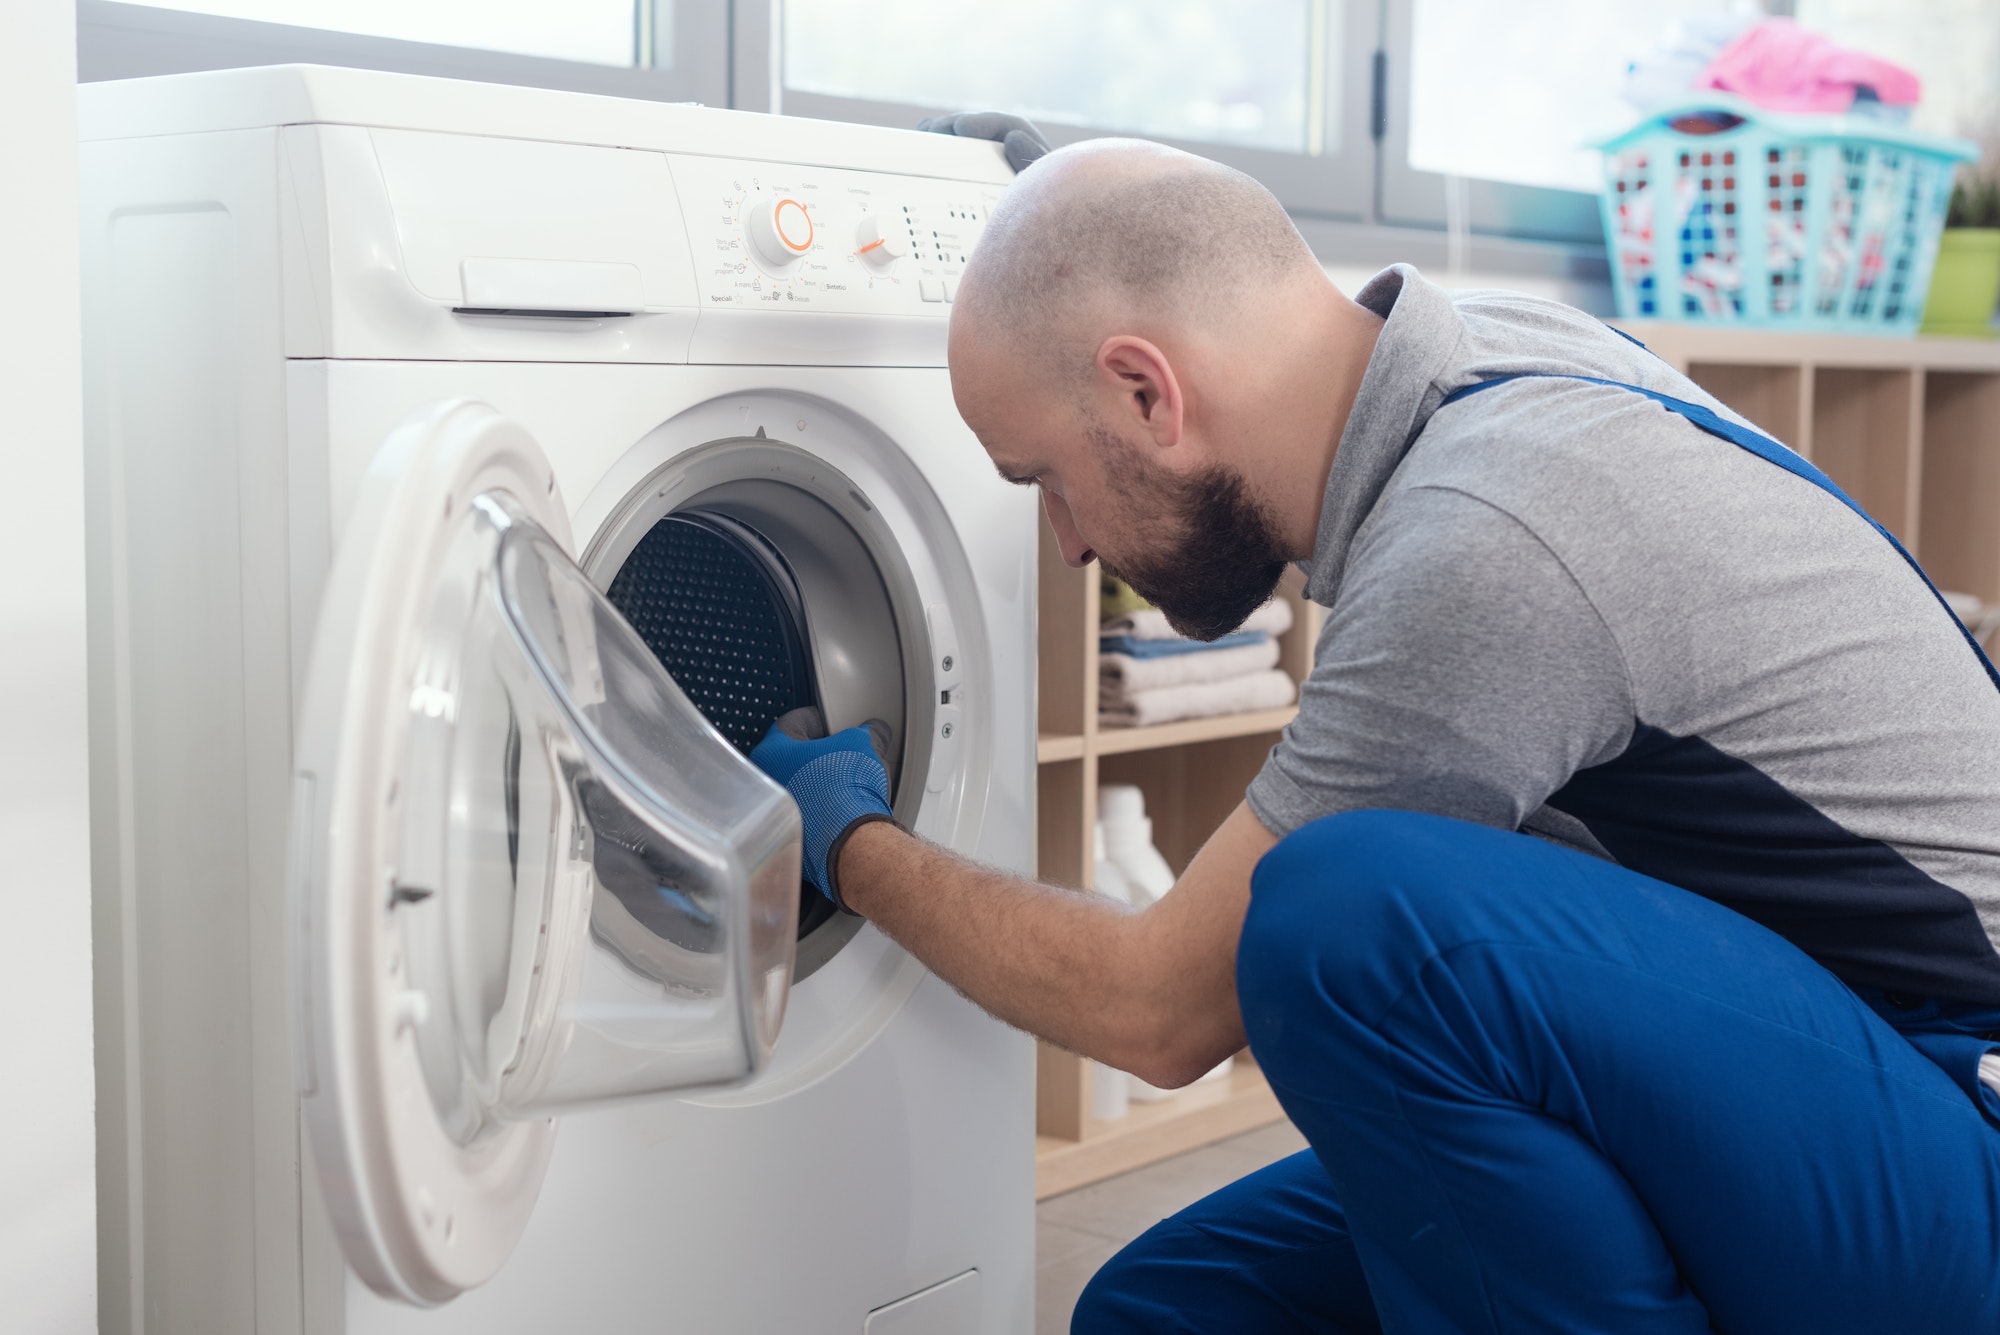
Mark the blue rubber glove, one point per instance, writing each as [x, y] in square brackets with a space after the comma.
[838, 782]
[1022, 142]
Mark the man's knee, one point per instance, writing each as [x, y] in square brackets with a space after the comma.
[1344, 911]
[1350, 885]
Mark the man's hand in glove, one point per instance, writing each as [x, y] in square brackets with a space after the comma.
[838, 782]
[1021, 140]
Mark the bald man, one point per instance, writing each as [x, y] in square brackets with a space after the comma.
[1617, 919]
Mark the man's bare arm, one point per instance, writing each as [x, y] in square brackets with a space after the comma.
[1152, 992]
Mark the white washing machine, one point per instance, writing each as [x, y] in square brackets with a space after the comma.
[473, 473]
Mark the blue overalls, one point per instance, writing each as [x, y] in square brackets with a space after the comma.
[1576, 1100]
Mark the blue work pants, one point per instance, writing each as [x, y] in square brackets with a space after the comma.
[1547, 1094]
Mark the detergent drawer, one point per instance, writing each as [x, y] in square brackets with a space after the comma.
[419, 245]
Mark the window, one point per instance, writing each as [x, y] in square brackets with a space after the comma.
[1278, 88]
[1181, 69]
[666, 49]
[1510, 99]
[598, 32]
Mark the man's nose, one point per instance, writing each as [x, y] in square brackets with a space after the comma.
[1075, 551]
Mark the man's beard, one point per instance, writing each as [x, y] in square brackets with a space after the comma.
[1221, 557]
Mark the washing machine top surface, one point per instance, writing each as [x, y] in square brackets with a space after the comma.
[529, 224]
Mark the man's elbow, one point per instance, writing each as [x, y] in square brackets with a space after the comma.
[1171, 1061]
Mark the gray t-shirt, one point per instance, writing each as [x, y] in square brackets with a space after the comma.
[1556, 607]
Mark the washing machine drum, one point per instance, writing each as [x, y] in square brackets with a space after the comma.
[720, 608]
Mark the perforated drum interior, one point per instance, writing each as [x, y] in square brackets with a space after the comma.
[721, 612]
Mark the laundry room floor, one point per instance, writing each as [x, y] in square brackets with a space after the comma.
[1080, 1230]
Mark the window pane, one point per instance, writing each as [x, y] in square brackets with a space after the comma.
[1204, 70]
[599, 32]
[1516, 92]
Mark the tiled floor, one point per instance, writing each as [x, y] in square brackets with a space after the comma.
[1078, 1232]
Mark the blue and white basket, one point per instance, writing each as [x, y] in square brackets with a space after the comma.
[1814, 223]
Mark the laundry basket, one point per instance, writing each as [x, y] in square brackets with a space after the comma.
[1719, 212]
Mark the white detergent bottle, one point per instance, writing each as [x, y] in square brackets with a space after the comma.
[1128, 841]
[1125, 834]
[1110, 1090]
[1109, 880]
[1109, 1086]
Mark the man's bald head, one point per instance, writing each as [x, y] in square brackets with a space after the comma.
[1143, 337]
[1117, 232]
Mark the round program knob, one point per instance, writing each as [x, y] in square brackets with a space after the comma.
[780, 231]
[879, 243]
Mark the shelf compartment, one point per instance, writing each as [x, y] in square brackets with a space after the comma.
[1867, 436]
[1190, 788]
[1198, 1115]
[1777, 398]
[1065, 817]
[1959, 542]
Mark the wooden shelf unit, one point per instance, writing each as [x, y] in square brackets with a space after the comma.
[1193, 774]
[1908, 427]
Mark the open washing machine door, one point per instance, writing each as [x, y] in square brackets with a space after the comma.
[527, 874]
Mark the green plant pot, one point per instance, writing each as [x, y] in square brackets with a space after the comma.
[1965, 283]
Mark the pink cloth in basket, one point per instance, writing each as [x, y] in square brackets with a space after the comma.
[1779, 65]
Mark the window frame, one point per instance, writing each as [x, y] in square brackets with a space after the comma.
[125, 41]
[1338, 183]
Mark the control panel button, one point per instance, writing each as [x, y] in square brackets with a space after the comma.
[780, 232]
[878, 243]
[951, 289]
[931, 289]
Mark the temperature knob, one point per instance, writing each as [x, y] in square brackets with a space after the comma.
[878, 243]
[780, 232]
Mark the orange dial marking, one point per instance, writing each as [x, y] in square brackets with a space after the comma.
[778, 217]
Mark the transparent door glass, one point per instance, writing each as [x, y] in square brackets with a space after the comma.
[597, 32]
[1198, 70]
[594, 893]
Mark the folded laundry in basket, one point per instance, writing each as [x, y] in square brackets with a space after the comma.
[1781, 66]
[1270, 689]
[1118, 675]
[1150, 623]
[1133, 647]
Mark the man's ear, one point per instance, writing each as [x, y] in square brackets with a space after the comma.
[1142, 387]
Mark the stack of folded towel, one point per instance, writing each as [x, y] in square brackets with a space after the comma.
[1149, 674]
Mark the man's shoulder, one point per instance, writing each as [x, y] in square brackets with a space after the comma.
[1566, 430]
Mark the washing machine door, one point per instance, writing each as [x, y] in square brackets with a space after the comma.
[490, 767]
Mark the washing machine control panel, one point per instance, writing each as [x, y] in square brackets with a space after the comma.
[771, 236]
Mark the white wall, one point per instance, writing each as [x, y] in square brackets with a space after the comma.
[48, 1266]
